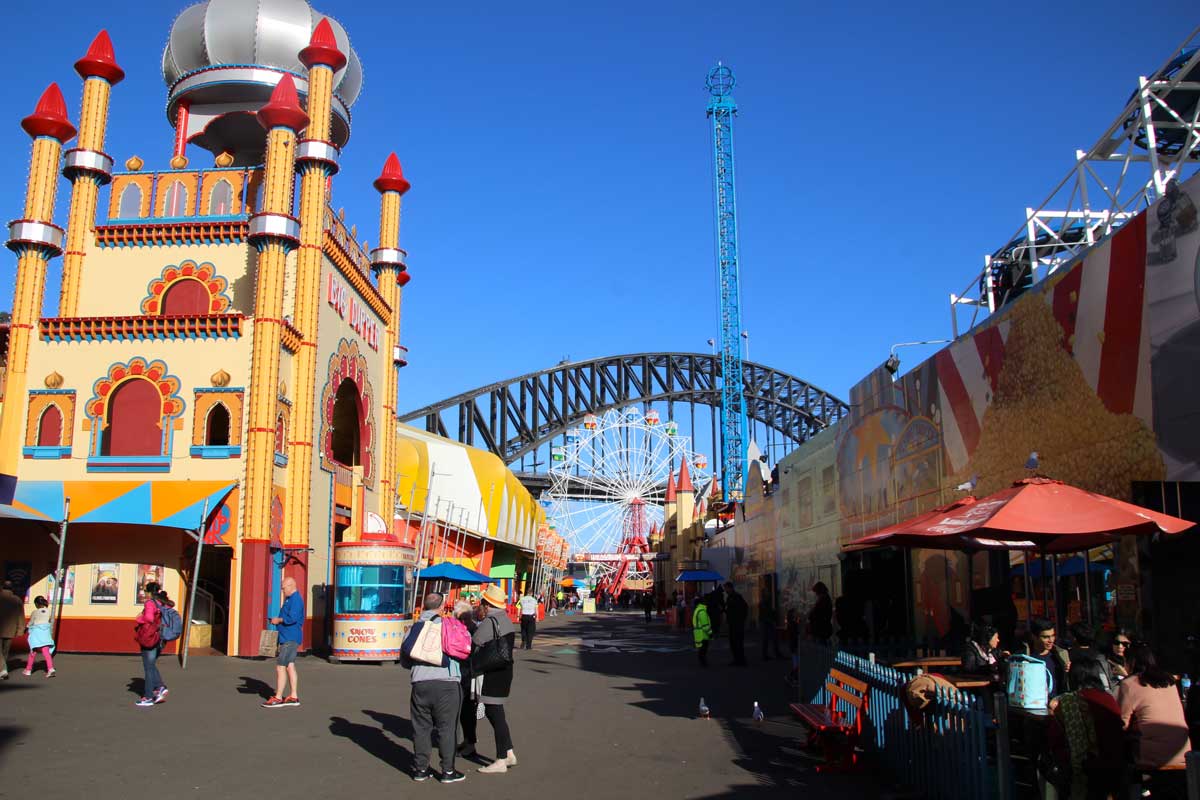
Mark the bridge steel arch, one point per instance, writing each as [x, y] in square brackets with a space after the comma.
[514, 418]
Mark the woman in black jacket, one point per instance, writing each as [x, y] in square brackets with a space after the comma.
[982, 655]
[498, 683]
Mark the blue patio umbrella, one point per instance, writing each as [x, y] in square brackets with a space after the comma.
[455, 573]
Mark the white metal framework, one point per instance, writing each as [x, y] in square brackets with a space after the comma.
[609, 480]
[1153, 145]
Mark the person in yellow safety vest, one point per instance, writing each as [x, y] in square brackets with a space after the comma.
[701, 630]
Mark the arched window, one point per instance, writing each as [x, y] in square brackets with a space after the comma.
[258, 198]
[220, 200]
[50, 427]
[216, 427]
[130, 206]
[186, 296]
[175, 200]
[346, 429]
[134, 417]
[280, 434]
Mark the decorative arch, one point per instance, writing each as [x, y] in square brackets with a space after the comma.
[218, 426]
[206, 402]
[169, 290]
[220, 198]
[133, 410]
[347, 363]
[50, 427]
[175, 199]
[43, 437]
[130, 204]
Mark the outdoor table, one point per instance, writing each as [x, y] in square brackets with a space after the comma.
[969, 681]
[927, 662]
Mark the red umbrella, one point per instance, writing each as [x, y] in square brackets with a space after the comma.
[1034, 513]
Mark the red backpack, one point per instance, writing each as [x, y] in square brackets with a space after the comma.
[147, 634]
[456, 639]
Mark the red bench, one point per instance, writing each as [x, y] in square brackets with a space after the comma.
[830, 729]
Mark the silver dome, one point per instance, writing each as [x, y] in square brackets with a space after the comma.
[269, 33]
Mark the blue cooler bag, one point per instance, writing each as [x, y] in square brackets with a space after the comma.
[1028, 682]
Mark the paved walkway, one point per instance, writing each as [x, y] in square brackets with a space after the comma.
[604, 706]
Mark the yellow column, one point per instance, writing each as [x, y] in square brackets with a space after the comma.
[35, 240]
[388, 262]
[274, 233]
[317, 159]
[88, 167]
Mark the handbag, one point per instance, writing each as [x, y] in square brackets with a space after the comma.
[493, 656]
[268, 644]
[1029, 681]
[427, 648]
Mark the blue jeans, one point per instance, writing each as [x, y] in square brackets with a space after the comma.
[149, 664]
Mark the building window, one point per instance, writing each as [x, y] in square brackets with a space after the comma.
[280, 433]
[50, 427]
[220, 200]
[130, 206]
[175, 200]
[216, 429]
[134, 421]
[186, 297]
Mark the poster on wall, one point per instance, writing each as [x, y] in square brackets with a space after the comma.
[106, 582]
[145, 574]
[68, 591]
[18, 573]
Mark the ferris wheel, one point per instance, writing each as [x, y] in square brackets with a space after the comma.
[608, 482]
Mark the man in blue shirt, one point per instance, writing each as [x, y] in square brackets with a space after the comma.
[290, 624]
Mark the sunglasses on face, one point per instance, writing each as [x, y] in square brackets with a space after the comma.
[1119, 643]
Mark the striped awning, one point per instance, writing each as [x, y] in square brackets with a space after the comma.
[166, 504]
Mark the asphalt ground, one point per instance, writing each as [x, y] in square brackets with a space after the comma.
[604, 706]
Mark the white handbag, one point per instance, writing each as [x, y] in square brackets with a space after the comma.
[428, 647]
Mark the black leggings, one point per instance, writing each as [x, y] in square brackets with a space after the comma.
[495, 715]
[467, 715]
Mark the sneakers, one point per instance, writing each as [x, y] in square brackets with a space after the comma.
[499, 765]
[50, 674]
[421, 775]
[26, 672]
[291, 701]
[274, 702]
[144, 702]
[511, 759]
[454, 776]
[4, 675]
[161, 693]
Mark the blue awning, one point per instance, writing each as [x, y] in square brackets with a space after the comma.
[455, 573]
[1066, 567]
[698, 576]
[9, 514]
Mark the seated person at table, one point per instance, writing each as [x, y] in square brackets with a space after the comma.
[1118, 647]
[1083, 648]
[1152, 712]
[982, 654]
[1085, 736]
[1042, 637]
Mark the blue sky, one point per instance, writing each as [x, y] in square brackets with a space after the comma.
[559, 156]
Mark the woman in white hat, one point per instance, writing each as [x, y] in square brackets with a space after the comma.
[496, 684]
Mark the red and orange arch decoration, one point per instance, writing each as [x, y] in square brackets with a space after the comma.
[137, 368]
[348, 363]
[203, 292]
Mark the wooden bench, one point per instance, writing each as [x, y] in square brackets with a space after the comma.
[830, 729]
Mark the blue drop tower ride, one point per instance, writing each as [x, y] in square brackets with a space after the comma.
[721, 110]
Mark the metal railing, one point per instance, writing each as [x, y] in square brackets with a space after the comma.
[942, 752]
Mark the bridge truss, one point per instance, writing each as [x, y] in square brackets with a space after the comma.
[517, 417]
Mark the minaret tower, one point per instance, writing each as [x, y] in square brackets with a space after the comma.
[274, 233]
[686, 499]
[35, 239]
[317, 159]
[87, 166]
[388, 262]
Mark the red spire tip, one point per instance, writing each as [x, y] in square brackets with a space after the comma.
[685, 480]
[99, 61]
[670, 487]
[403, 278]
[322, 48]
[283, 109]
[49, 118]
[392, 177]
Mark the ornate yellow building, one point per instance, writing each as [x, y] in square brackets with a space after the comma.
[218, 344]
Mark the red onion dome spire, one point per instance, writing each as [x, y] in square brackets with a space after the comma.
[283, 109]
[403, 278]
[322, 48]
[49, 118]
[99, 61]
[392, 177]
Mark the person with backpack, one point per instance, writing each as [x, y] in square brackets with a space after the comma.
[290, 624]
[148, 634]
[436, 698]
